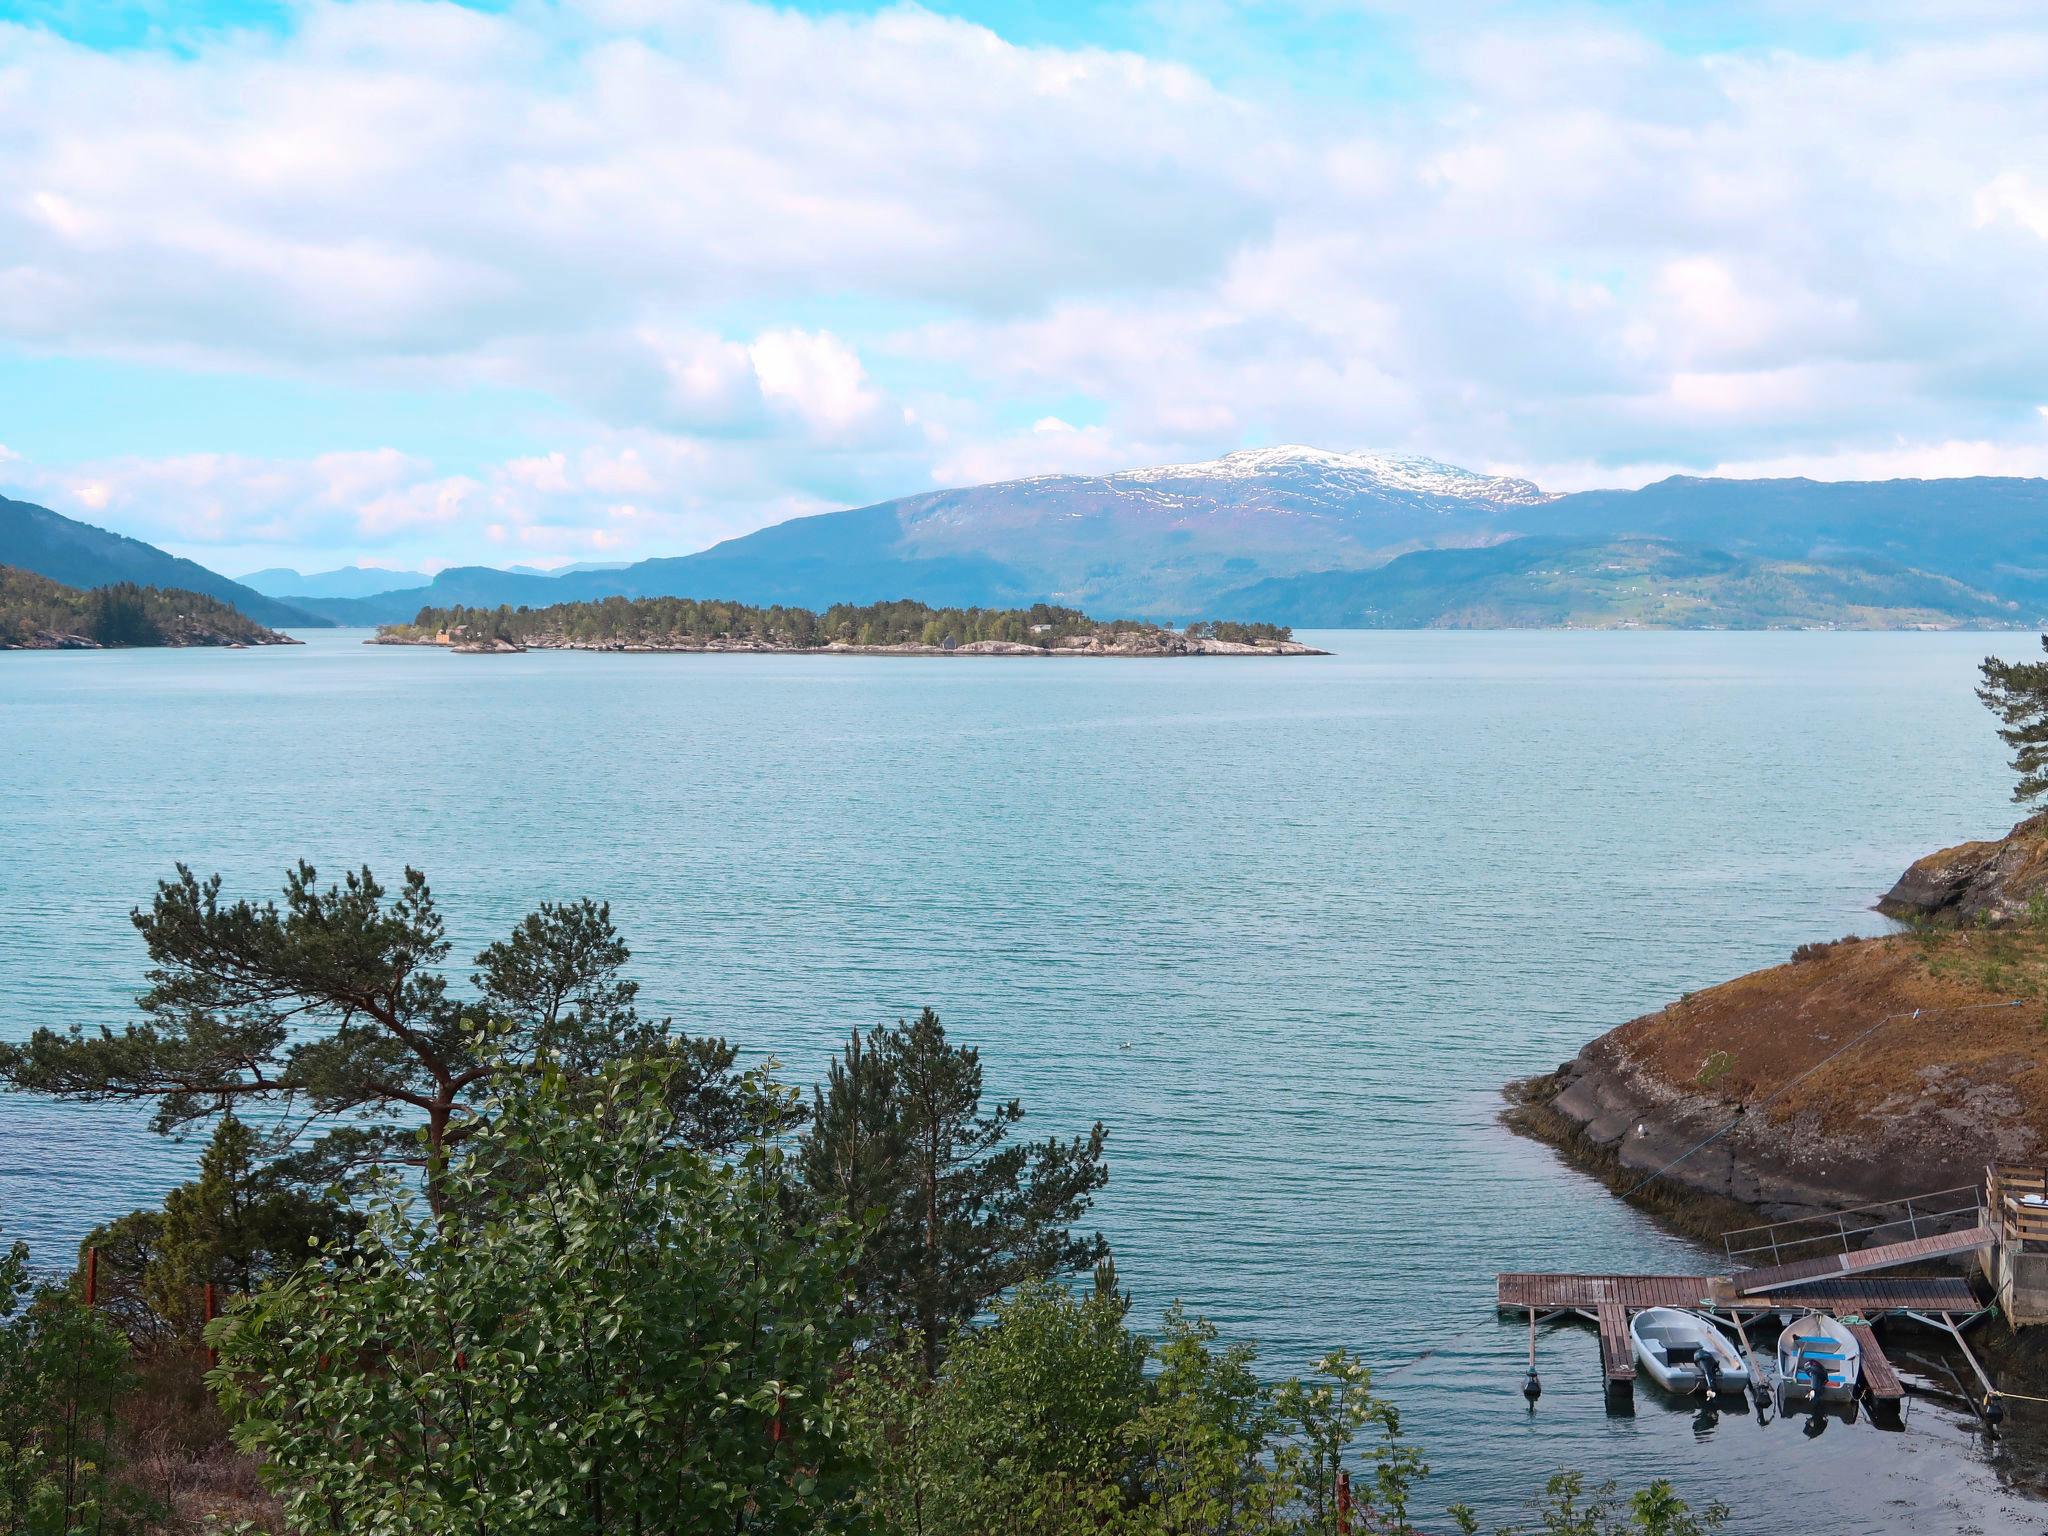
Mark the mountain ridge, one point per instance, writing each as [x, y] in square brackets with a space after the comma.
[78, 554]
[1274, 534]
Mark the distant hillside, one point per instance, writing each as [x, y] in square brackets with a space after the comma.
[1987, 532]
[39, 614]
[1148, 541]
[1606, 583]
[76, 554]
[1297, 532]
[1287, 527]
[350, 581]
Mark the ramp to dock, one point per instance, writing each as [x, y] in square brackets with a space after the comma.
[1916, 1250]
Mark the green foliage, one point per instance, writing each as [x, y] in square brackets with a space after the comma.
[1568, 1511]
[2017, 693]
[1234, 633]
[688, 621]
[62, 1370]
[634, 1339]
[957, 1212]
[1717, 1066]
[336, 1007]
[240, 1224]
[1046, 1421]
[122, 614]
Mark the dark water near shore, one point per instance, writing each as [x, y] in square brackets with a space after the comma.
[1284, 926]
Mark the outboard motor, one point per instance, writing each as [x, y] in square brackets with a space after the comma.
[1533, 1387]
[1710, 1373]
[1815, 1371]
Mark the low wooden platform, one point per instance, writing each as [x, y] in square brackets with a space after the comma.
[1879, 1379]
[1869, 1295]
[1941, 1245]
[1563, 1293]
[1617, 1355]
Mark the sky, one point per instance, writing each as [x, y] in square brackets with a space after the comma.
[412, 283]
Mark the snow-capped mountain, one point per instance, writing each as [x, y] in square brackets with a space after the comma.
[1354, 473]
[1300, 534]
[1166, 538]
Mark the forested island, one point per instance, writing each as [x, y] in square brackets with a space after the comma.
[37, 614]
[904, 628]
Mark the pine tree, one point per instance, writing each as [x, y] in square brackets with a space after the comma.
[241, 1223]
[337, 1004]
[2017, 692]
[959, 1212]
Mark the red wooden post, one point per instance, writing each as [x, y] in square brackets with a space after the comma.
[206, 1306]
[92, 1276]
[1343, 1503]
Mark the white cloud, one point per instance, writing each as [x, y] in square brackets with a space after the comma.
[773, 260]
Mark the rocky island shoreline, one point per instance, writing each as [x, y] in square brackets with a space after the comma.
[1925, 1051]
[37, 614]
[657, 626]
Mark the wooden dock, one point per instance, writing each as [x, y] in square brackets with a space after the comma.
[2005, 1226]
[1608, 1300]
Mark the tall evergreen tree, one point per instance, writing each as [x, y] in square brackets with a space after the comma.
[960, 1213]
[2017, 692]
[334, 1007]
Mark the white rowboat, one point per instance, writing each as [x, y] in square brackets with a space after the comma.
[1685, 1353]
[1818, 1358]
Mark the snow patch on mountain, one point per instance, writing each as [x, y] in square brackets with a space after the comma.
[1408, 473]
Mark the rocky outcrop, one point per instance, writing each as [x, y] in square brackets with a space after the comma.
[1863, 1071]
[1976, 882]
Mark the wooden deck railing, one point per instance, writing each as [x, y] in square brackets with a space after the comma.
[2019, 1198]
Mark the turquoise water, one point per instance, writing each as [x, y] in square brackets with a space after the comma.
[1284, 926]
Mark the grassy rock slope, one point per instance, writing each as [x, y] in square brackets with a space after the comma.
[1922, 1103]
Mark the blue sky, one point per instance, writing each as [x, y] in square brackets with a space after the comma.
[410, 283]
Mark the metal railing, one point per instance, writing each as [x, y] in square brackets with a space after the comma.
[1861, 1226]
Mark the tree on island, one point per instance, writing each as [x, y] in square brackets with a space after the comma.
[334, 1007]
[2017, 692]
[959, 1214]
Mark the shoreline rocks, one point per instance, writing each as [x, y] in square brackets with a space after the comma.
[2000, 880]
[1859, 1072]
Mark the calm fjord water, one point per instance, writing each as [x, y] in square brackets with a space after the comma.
[1284, 927]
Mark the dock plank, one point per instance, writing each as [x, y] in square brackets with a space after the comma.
[1879, 1378]
[1617, 1355]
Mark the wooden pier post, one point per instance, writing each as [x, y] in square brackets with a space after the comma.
[1343, 1503]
